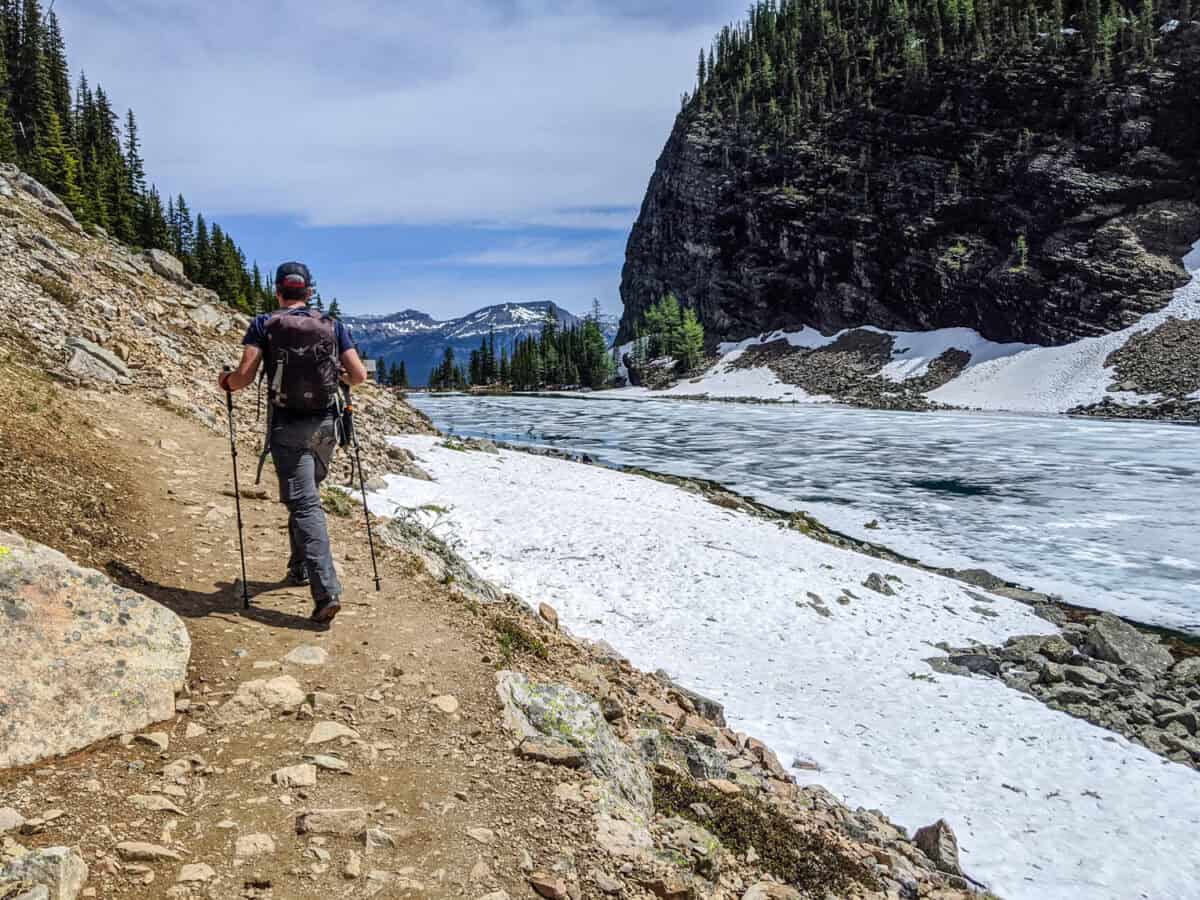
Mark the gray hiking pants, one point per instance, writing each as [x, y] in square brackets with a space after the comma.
[302, 450]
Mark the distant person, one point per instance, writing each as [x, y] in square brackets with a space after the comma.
[307, 353]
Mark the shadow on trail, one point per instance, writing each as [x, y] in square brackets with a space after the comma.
[225, 599]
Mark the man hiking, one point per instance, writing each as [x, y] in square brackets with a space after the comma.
[307, 354]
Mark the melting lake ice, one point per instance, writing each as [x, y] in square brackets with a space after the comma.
[1106, 514]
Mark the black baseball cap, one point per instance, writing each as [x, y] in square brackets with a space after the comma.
[294, 276]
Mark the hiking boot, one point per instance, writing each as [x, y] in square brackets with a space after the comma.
[326, 610]
[298, 577]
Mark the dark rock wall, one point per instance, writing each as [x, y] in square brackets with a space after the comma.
[911, 214]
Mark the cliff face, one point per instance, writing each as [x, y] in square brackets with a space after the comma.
[1026, 201]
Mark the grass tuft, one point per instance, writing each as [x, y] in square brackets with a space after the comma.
[515, 639]
[812, 861]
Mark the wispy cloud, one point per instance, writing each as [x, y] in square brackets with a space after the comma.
[549, 254]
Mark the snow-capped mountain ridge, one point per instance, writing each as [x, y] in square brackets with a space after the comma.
[419, 340]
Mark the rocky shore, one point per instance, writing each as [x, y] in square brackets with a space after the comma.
[1104, 670]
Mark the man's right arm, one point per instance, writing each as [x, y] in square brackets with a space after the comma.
[356, 372]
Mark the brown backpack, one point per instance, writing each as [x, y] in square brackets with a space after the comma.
[303, 360]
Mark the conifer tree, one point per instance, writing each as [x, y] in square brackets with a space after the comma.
[8, 144]
[402, 378]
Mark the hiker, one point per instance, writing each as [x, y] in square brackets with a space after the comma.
[307, 353]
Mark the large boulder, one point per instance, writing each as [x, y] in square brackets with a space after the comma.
[81, 658]
[532, 710]
[1117, 641]
[166, 266]
[92, 362]
[937, 841]
[56, 873]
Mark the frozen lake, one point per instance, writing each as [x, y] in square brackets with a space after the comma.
[1104, 513]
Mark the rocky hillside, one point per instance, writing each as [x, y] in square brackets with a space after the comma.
[1020, 194]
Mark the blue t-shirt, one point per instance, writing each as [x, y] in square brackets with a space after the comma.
[256, 334]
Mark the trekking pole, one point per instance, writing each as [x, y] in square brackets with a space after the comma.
[237, 492]
[362, 482]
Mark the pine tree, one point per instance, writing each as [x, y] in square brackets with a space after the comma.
[31, 99]
[59, 75]
[335, 310]
[8, 143]
[402, 380]
[691, 341]
[58, 168]
[134, 166]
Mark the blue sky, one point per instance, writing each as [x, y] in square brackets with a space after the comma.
[427, 155]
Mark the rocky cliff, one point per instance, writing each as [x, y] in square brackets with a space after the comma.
[1024, 199]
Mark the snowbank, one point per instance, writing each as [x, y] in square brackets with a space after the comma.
[999, 377]
[1045, 806]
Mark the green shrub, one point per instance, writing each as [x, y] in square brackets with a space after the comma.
[810, 860]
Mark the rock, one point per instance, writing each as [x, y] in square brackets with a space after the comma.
[329, 763]
[249, 846]
[768, 890]
[1067, 694]
[877, 583]
[1117, 641]
[166, 266]
[295, 776]
[196, 873]
[159, 740]
[332, 821]
[208, 316]
[10, 819]
[323, 732]
[60, 870]
[376, 483]
[1187, 670]
[96, 659]
[377, 839]
[606, 883]
[139, 851]
[155, 803]
[1057, 649]
[937, 841]
[560, 712]
[703, 762]
[92, 362]
[706, 707]
[307, 656]
[484, 836]
[193, 731]
[255, 701]
[668, 887]
[976, 663]
[353, 867]
[695, 843]
[447, 703]
[549, 886]
[1083, 676]
[548, 614]
[496, 895]
[549, 750]
[624, 837]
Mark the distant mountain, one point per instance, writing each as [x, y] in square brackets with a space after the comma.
[419, 340]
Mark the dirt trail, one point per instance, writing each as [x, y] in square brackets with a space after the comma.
[425, 776]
